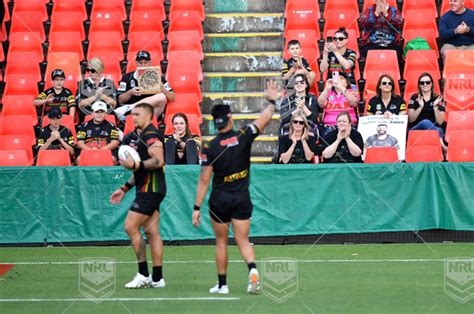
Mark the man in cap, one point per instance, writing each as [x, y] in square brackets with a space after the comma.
[130, 94]
[57, 96]
[228, 157]
[54, 135]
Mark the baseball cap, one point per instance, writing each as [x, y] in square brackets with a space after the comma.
[55, 112]
[143, 55]
[99, 105]
[221, 114]
[57, 72]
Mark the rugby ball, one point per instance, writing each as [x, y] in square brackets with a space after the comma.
[126, 151]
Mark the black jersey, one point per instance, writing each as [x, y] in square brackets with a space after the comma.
[66, 135]
[97, 135]
[376, 141]
[64, 100]
[149, 181]
[229, 155]
[130, 80]
[427, 112]
[396, 105]
[335, 66]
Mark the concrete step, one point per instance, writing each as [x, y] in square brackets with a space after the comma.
[244, 23]
[236, 81]
[240, 120]
[243, 42]
[263, 148]
[242, 61]
[222, 6]
[238, 102]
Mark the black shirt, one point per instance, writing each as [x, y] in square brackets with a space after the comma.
[66, 135]
[396, 105]
[298, 157]
[288, 64]
[334, 64]
[388, 141]
[427, 112]
[64, 100]
[97, 135]
[342, 153]
[229, 155]
[287, 107]
[130, 81]
[147, 181]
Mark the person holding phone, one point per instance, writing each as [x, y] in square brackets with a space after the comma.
[336, 57]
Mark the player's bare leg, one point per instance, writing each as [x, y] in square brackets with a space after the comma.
[221, 230]
[241, 233]
[156, 247]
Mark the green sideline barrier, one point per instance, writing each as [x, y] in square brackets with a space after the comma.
[71, 204]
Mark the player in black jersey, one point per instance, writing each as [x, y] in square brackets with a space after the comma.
[228, 157]
[149, 181]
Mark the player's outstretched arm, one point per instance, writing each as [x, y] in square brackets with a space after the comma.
[266, 116]
[203, 186]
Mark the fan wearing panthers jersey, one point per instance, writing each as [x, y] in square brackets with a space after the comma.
[227, 156]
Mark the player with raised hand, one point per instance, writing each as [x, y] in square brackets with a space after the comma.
[149, 181]
[228, 157]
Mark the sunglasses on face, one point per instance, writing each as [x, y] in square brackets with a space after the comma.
[387, 83]
[91, 70]
[339, 38]
[425, 82]
[300, 82]
[298, 122]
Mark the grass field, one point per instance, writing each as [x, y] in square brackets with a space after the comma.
[387, 278]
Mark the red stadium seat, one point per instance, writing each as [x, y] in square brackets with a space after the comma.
[367, 3]
[186, 5]
[382, 61]
[18, 142]
[148, 6]
[422, 137]
[54, 157]
[78, 6]
[110, 117]
[68, 22]
[66, 120]
[424, 153]
[149, 41]
[460, 121]
[96, 157]
[377, 155]
[23, 63]
[193, 124]
[459, 92]
[427, 34]
[31, 6]
[144, 21]
[107, 6]
[301, 20]
[419, 61]
[302, 5]
[19, 106]
[185, 103]
[336, 19]
[420, 19]
[308, 39]
[11, 158]
[28, 22]
[185, 82]
[428, 5]
[18, 125]
[340, 5]
[185, 61]
[26, 42]
[130, 126]
[66, 42]
[186, 21]
[458, 62]
[21, 85]
[185, 41]
[69, 63]
[108, 42]
[112, 69]
[461, 153]
[107, 22]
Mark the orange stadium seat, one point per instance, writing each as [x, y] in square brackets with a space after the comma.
[106, 22]
[96, 157]
[68, 22]
[78, 6]
[459, 92]
[185, 82]
[18, 142]
[458, 62]
[186, 21]
[336, 19]
[11, 158]
[307, 38]
[340, 5]
[18, 125]
[185, 41]
[21, 85]
[19, 106]
[66, 42]
[428, 5]
[110, 117]
[460, 121]
[422, 137]
[112, 68]
[23, 63]
[367, 3]
[28, 22]
[144, 21]
[66, 120]
[185, 103]
[427, 34]
[108, 42]
[302, 20]
[423, 146]
[148, 6]
[420, 61]
[149, 41]
[302, 5]
[107, 6]
[54, 157]
[26, 42]
[382, 61]
[193, 124]
[185, 61]
[461, 146]
[377, 155]
[420, 19]
[31, 6]
[186, 5]
[69, 63]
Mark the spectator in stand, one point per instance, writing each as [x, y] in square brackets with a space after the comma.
[300, 100]
[95, 88]
[381, 29]
[337, 57]
[298, 146]
[343, 144]
[98, 133]
[337, 96]
[130, 95]
[296, 64]
[181, 147]
[456, 28]
[57, 96]
[54, 135]
[426, 109]
[386, 102]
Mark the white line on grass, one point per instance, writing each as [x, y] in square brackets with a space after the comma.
[405, 260]
[121, 299]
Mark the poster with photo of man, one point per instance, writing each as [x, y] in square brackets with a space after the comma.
[378, 131]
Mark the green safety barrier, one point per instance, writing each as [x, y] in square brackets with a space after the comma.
[71, 204]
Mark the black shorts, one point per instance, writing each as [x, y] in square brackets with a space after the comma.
[224, 206]
[147, 203]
